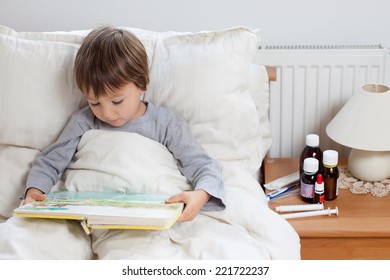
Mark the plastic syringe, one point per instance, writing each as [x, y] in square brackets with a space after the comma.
[328, 212]
[299, 207]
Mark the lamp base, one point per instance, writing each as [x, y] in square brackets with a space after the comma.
[369, 165]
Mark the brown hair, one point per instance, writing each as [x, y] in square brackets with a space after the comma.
[108, 59]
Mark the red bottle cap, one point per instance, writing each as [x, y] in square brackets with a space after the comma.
[319, 179]
[319, 185]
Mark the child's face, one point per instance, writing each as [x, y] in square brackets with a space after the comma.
[118, 106]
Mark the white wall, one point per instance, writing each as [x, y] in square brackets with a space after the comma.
[282, 21]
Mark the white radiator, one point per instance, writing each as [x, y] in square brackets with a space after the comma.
[313, 83]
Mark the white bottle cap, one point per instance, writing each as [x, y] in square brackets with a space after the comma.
[312, 140]
[310, 165]
[330, 157]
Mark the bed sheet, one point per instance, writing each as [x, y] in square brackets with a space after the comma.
[107, 161]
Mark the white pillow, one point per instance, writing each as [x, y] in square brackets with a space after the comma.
[38, 92]
[147, 37]
[209, 78]
[15, 162]
[259, 89]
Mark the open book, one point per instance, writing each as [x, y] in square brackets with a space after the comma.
[112, 210]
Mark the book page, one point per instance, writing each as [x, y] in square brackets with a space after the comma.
[105, 208]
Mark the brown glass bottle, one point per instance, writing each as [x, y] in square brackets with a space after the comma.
[330, 174]
[311, 150]
[308, 179]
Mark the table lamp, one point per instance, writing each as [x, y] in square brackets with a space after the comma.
[363, 124]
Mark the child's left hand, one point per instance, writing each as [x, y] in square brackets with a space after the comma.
[193, 200]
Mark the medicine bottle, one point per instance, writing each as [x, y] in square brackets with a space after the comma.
[311, 150]
[308, 179]
[319, 194]
[330, 174]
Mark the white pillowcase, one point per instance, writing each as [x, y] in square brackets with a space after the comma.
[38, 92]
[259, 90]
[210, 78]
[15, 163]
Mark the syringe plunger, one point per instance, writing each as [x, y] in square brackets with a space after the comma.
[311, 213]
[299, 207]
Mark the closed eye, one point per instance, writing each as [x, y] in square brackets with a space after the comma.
[94, 104]
[117, 102]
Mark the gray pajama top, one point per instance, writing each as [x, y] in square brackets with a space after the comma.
[159, 124]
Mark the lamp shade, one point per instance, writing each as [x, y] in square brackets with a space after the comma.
[364, 121]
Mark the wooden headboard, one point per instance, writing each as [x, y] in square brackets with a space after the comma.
[271, 70]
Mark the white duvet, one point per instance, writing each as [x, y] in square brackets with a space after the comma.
[107, 161]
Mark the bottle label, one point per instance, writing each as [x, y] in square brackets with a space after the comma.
[307, 190]
[319, 198]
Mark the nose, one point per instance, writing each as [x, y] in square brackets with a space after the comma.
[107, 112]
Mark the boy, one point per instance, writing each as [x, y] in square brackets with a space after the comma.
[111, 69]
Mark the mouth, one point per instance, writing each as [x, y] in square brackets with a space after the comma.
[114, 121]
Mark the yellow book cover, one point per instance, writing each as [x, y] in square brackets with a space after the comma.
[106, 210]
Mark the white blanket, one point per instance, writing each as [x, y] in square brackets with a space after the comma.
[246, 229]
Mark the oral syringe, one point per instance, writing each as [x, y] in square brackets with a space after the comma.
[299, 207]
[328, 212]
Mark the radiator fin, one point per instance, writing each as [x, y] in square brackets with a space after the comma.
[313, 83]
[323, 47]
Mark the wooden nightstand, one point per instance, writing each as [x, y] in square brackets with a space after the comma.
[361, 231]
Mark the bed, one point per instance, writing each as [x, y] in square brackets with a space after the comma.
[214, 79]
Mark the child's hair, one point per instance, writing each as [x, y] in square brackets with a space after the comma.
[108, 59]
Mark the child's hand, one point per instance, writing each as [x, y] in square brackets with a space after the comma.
[193, 200]
[33, 194]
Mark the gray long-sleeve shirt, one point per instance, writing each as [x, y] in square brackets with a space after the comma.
[159, 124]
